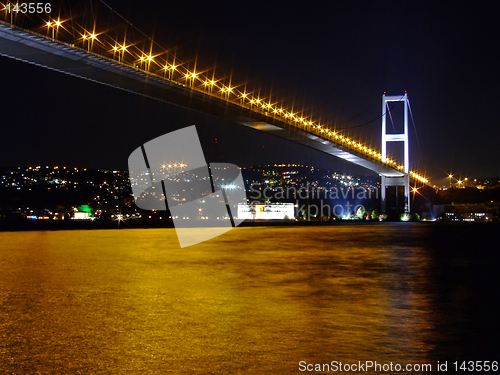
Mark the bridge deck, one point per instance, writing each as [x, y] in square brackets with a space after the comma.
[67, 59]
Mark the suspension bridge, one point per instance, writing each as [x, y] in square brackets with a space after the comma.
[82, 49]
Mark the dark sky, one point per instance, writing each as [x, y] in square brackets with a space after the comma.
[336, 58]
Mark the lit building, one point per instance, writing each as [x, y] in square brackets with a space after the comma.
[471, 212]
[82, 216]
[270, 211]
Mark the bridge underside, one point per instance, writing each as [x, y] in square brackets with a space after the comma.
[43, 52]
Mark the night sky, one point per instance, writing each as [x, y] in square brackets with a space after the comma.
[336, 58]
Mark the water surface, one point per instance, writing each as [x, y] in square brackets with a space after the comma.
[257, 300]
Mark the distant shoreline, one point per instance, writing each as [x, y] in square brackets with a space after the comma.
[26, 225]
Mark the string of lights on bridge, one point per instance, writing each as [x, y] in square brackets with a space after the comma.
[176, 71]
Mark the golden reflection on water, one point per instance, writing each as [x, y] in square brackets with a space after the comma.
[256, 300]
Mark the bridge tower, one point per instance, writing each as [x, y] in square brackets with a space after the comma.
[404, 179]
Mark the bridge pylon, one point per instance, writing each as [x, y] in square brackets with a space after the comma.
[404, 179]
